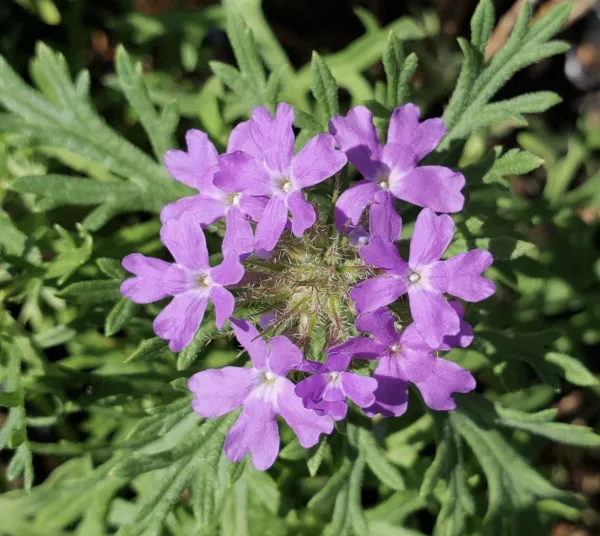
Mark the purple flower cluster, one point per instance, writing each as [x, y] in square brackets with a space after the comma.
[257, 187]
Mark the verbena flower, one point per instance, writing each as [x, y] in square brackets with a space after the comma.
[266, 165]
[263, 391]
[191, 281]
[197, 168]
[326, 390]
[403, 358]
[391, 171]
[425, 277]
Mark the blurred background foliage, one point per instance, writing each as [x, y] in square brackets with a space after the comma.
[94, 414]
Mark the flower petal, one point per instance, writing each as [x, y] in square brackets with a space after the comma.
[197, 166]
[384, 221]
[306, 423]
[336, 410]
[254, 432]
[317, 161]
[356, 135]
[433, 316]
[284, 356]
[391, 395]
[375, 293]
[447, 378]
[185, 240]
[303, 213]
[464, 337]
[272, 224]
[380, 324]
[253, 206]
[382, 254]
[224, 304]
[416, 365]
[351, 204]
[241, 139]
[240, 172]
[219, 391]
[358, 348]
[359, 388]
[338, 362]
[431, 236]
[156, 279]
[434, 187]
[207, 209]
[179, 321]
[239, 238]
[464, 275]
[274, 136]
[311, 389]
[251, 340]
[405, 129]
[229, 272]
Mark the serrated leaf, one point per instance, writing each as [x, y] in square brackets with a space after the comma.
[316, 459]
[92, 291]
[393, 60]
[324, 88]
[482, 24]
[69, 256]
[571, 369]
[131, 81]
[111, 268]
[21, 464]
[148, 350]
[189, 354]
[513, 162]
[378, 463]
[118, 317]
[503, 248]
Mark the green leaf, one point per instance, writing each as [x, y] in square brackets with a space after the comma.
[571, 369]
[482, 24]
[408, 71]
[16, 243]
[188, 355]
[11, 399]
[377, 462]
[537, 424]
[325, 498]
[123, 311]
[69, 256]
[503, 248]
[132, 83]
[513, 162]
[148, 350]
[92, 291]
[393, 60]
[324, 88]
[316, 459]
[21, 464]
[111, 268]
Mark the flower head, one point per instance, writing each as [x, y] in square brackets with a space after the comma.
[425, 277]
[263, 391]
[191, 281]
[197, 168]
[391, 171]
[264, 164]
[404, 357]
[326, 390]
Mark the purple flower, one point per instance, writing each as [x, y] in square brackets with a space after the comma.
[425, 277]
[405, 357]
[191, 281]
[391, 171]
[263, 392]
[265, 165]
[197, 168]
[326, 390]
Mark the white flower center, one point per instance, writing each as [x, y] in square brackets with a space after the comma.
[234, 199]
[384, 184]
[335, 378]
[204, 281]
[268, 377]
[414, 277]
[267, 387]
[285, 185]
[395, 348]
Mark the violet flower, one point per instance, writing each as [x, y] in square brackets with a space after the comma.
[191, 281]
[326, 390]
[265, 165]
[263, 392]
[197, 168]
[405, 358]
[391, 171]
[425, 277]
